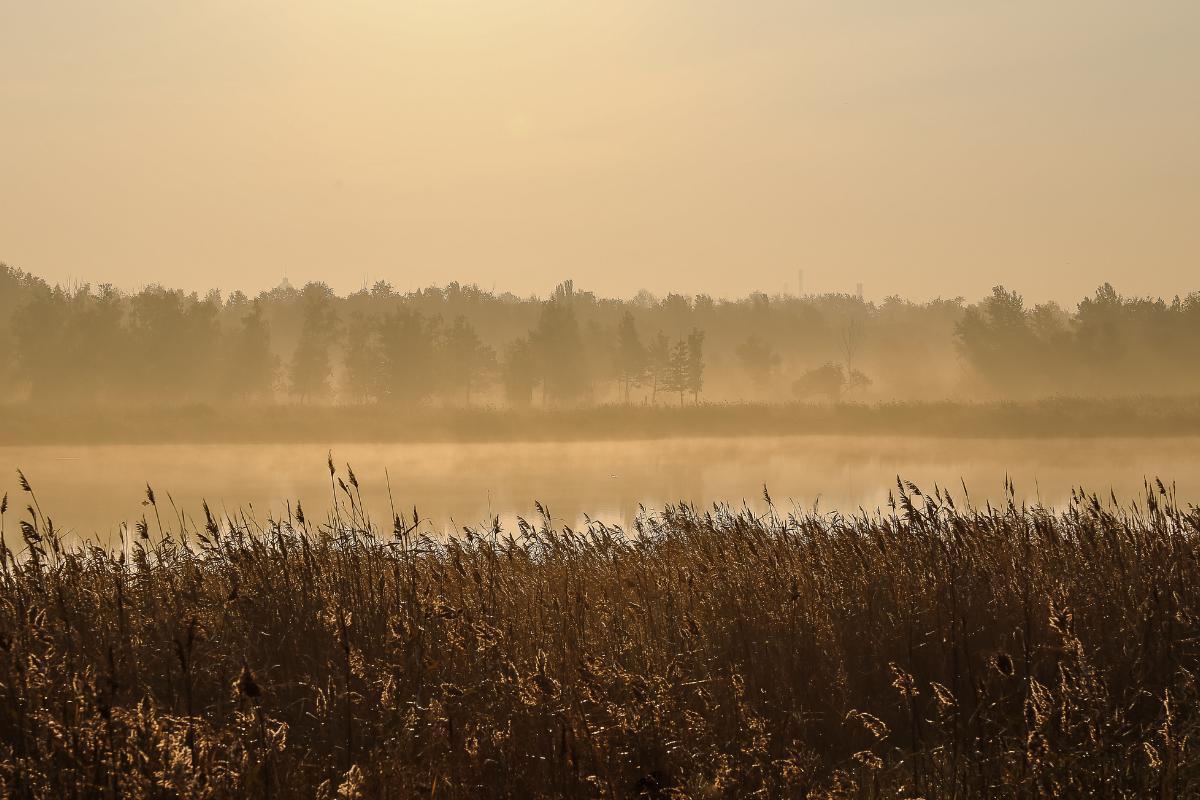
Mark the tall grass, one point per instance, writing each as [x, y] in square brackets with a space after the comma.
[934, 650]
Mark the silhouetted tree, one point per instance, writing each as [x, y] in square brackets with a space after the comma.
[758, 359]
[40, 332]
[82, 344]
[851, 339]
[361, 358]
[677, 369]
[558, 349]
[827, 380]
[695, 363]
[311, 366]
[857, 381]
[17, 288]
[174, 342]
[519, 373]
[1100, 325]
[469, 363]
[995, 338]
[630, 356]
[95, 338]
[658, 357]
[252, 367]
[408, 356]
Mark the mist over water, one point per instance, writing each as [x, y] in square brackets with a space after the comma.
[91, 491]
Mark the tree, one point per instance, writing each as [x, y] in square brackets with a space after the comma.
[1100, 326]
[857, 381]
[362, 358]
[39, 329]
[174, 343]
[94, 338]
[677, 369]
[659, 360]
[758, 359]
[630, 356]
[311, 366]
[408, 357]
[695, 363]
[519, 373]
[851, 338]
[828, 380]
[558, 349]
[995, 337]
[17, 290]
[468, 361]
[251, 366]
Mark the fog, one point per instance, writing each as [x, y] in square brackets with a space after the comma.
[311, 222]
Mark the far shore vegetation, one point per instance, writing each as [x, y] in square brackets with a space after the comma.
[460, 346]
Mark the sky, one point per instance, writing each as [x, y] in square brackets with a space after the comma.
[925, 148]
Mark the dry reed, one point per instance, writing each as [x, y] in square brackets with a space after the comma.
[933, 650]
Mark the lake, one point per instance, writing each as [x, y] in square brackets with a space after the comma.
[90, 491]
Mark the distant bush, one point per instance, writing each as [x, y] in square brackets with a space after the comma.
[829, 381]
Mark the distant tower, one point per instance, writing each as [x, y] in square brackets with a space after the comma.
[859, 293]
[799, 283]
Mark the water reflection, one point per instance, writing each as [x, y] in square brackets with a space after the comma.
[91, 490]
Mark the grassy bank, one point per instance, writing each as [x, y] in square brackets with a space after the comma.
[1070, 417]
[936, 651]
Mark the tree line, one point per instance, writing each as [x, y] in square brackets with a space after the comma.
[1109, 345]
[462, 345]
[405, 356]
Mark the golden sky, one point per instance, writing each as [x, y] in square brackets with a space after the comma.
[922, 148]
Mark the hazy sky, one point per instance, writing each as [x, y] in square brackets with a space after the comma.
[922, 148]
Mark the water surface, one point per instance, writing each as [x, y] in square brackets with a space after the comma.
[92, 490]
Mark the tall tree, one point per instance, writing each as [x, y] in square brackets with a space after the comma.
[94, 338]
[658, 357]
[996, 338]
[175, 343]
[251, 366]
[17, 288]
[630, 356]
[311, 366]
[39, 330]
[519, 373]
[695, 363]
[758, 359]
[558, 349]
[469, 363]
[361, 358]
[407, 346]
[677, 369]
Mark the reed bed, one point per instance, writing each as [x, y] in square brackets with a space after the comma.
[933, 649]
